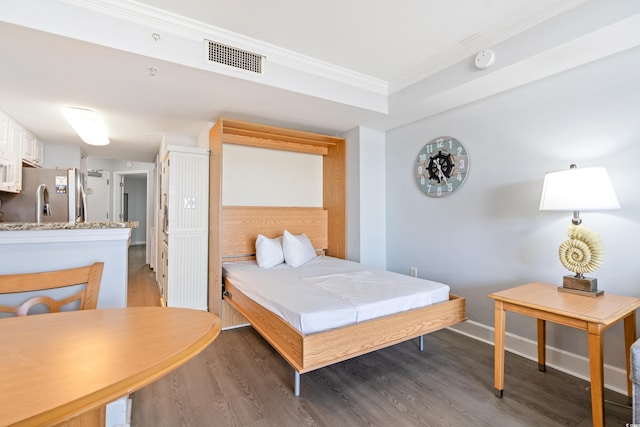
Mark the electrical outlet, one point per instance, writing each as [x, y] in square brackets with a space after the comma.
[413, 271]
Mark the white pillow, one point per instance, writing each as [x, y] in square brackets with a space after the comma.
[269, 251]
[297, 249]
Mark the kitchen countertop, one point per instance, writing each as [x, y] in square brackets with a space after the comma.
[17, 226]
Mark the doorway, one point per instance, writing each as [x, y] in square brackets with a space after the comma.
[133, 195]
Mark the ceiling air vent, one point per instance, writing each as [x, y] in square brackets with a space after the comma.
[241, 59]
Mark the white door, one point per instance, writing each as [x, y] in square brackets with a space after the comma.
[98, 196]
[118, 197]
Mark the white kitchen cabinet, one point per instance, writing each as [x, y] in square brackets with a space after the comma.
[185, 199]
[16, 145]
[10, 148]
[6, 164]
[4, 129]
[16, 136]
[32, 150]
[39, 153]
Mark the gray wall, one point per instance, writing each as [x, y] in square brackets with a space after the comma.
[490, 235]
[136, 188]
[60, 156]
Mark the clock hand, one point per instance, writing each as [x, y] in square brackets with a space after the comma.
[442, 177]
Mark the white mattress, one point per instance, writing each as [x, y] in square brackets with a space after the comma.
[328, 293]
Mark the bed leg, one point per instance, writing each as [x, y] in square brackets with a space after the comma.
[421, 342]
[296, 383]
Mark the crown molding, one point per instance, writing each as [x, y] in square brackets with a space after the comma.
[192, 29]
[527, 18]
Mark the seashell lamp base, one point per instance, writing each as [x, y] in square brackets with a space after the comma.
[587, 286]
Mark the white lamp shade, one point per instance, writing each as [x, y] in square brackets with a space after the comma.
[578, 189]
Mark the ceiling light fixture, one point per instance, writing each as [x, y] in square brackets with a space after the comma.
[87, 124]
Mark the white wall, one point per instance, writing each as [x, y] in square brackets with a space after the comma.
[60, 156]
[183, 140]
[490, 235]
[125, 167]
[99, 163]
[254, 176]
[353, 194]
[366, 234]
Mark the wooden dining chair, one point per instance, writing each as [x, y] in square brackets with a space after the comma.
[91, 275]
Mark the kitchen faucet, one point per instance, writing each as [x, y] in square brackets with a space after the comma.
[42, 203]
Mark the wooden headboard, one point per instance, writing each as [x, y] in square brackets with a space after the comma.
[242, 224]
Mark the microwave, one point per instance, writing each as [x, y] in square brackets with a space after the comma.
[7, 175]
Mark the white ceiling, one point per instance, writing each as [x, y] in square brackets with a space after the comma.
[330, 66]
[388, 40]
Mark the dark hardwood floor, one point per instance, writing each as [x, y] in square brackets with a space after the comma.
[239, 380]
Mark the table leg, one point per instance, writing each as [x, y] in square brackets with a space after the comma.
[597, 375]
[499, 329]
[542, 345]
[629, 339]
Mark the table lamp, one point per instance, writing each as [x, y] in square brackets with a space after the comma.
[579, 190]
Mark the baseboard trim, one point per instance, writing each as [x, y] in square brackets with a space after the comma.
[615, 379]
[242, 325]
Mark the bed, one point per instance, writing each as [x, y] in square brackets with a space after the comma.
[309, 349]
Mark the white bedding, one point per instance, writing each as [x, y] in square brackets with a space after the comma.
[328, 293]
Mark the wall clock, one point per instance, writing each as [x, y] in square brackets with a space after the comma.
[442, 166]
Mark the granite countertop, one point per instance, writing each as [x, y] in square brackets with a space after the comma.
[18, 226]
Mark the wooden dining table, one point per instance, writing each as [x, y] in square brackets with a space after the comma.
[63, 368]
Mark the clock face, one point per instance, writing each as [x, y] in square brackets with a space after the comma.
[442, 166]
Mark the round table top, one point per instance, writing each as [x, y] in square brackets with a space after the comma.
[55, 366]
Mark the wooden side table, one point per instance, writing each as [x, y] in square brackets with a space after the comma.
[594, 315]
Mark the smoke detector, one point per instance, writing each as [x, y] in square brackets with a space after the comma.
[485, 58]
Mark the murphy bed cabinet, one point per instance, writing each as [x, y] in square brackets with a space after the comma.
[333, 152]
[185, 220]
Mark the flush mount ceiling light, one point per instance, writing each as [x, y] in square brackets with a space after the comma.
[87, 124]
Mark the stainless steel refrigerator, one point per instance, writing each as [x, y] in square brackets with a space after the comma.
[48, 195]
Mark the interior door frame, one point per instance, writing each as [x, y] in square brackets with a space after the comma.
[118, 195]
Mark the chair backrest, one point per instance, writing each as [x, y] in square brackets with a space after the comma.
[29, 282]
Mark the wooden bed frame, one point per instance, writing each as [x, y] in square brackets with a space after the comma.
[306, 352]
